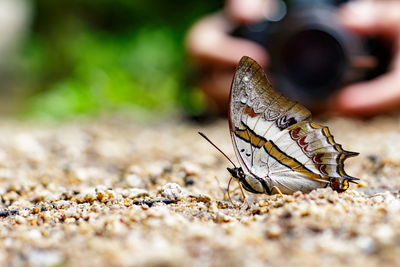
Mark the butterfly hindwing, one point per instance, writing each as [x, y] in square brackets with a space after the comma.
[318, 144]
[279, 161]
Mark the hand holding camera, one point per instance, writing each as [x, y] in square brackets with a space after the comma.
[319, 51]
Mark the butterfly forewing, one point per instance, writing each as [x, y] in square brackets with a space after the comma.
[257, 107]
[253, 98]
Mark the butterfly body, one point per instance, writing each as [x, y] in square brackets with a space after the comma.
[251, 183]
[277, 145]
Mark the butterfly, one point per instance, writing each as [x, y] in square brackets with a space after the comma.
[279, 148]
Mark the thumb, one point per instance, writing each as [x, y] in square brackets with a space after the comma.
[246, 11]
[371, 17]
[368, 98]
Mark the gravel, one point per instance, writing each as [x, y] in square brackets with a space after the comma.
[115, 192]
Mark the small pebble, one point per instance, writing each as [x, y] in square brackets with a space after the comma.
[172, 191]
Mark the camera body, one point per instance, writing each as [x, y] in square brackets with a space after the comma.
[311, 54]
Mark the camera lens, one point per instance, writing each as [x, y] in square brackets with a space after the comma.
[313, 59]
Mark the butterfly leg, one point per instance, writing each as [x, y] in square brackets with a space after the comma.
[245, 203]
[278, 190]
[241, 190]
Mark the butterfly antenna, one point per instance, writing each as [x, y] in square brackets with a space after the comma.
[205, 137]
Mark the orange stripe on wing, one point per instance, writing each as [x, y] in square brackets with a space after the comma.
[273, 151]
[289, 162]
[249, 136]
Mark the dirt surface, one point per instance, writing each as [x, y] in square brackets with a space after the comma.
[118, 193]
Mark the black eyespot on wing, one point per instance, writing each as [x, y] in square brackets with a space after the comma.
[284, 122]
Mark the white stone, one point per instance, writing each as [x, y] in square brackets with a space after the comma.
[172, 191]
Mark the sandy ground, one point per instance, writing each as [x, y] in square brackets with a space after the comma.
[116, 193]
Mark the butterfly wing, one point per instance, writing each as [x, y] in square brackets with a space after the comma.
[255, 105]
[273, 138]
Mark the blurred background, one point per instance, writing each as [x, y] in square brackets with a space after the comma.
[63, 58]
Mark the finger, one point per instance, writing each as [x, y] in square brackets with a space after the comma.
[209, 42]
[246, 11]
[216, 88]
[371, 17]
[368, 98]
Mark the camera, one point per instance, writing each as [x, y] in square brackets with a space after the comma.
[311, 54]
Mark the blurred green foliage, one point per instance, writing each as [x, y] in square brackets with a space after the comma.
[87, 57]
